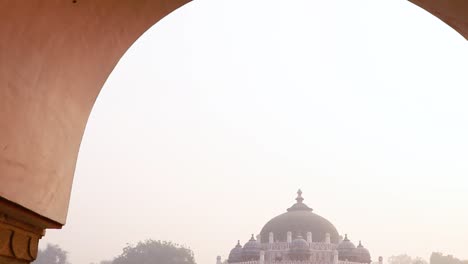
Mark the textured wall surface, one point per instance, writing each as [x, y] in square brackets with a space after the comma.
[55, 56]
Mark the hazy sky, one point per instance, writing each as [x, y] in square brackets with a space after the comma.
[221, 111]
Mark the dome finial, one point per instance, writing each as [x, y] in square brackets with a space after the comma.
[252, 238]
[346, 237]
[299, 205]
[299, 198]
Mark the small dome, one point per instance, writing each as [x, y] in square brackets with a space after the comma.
[299, 249]
[300, 243]
[346, 250]
[362, 254]
[251, 250]
[236, 254]
[346, 244]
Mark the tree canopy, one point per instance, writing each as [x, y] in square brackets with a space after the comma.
[439, 258]
[53, 254]
[152, 252]
[405, 259]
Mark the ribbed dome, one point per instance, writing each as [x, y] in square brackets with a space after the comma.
[299, 219]
[236, 254]
[346, 250]
[251, 250]
[362, 254]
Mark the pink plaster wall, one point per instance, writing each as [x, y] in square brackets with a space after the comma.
[55, 56]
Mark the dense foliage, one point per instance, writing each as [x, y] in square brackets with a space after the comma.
[439, 258]
[436, 258]
[155, 252]
[53, 254]
[405, 259]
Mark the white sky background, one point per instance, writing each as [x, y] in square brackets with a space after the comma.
[221, 111]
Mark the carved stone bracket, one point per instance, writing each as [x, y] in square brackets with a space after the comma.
[20, 231]
[18, 242]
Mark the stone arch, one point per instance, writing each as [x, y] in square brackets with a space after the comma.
[55, 56]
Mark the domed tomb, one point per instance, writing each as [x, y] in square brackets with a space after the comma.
[300, 219]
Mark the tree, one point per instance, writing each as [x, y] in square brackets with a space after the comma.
[400, 259]
[53, 254]
[405, 259]
[418, 260]
[439, 258]
[155, 252]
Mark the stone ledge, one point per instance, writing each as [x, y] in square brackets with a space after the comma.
[17, 243]
[20, 232]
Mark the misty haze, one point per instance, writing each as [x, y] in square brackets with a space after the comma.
[210, 123]
[288, 132]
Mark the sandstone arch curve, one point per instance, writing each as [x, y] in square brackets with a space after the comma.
[55, 56]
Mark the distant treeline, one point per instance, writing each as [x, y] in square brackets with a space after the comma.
[165, 252]
[145, 252]
[439, 258]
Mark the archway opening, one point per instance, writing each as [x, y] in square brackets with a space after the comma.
[218, 120]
